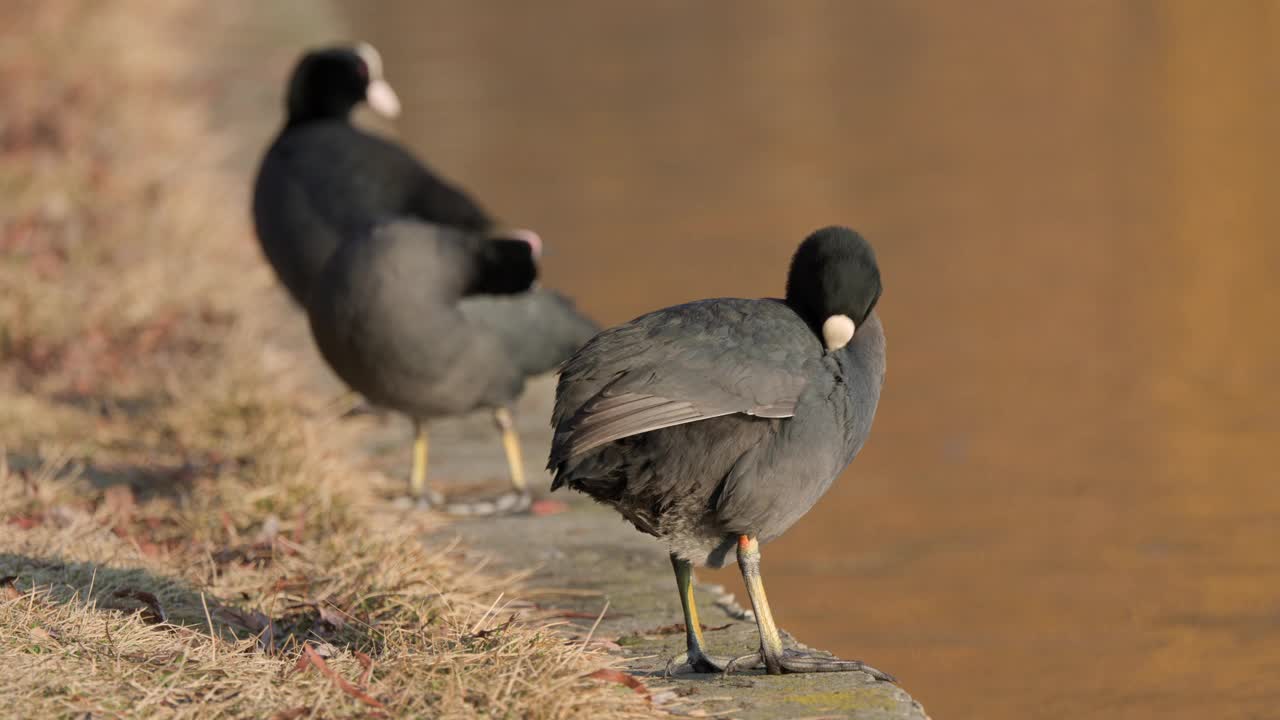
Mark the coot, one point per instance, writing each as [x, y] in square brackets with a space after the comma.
[324, 182]
[717, 424]
[385, 314]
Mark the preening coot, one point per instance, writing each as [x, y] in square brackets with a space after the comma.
[715, 425]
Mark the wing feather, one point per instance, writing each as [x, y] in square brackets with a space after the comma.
[730, 357]
[631, 414]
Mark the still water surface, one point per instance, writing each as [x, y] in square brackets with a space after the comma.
[1069, 506]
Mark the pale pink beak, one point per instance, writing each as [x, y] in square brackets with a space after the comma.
[528, 236]
[379, 94]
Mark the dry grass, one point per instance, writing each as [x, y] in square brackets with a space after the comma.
[180, 535]
[201, 605]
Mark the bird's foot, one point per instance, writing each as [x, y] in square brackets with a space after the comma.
[796, 661]
[510, 503]
[430, 500]
[695, 662]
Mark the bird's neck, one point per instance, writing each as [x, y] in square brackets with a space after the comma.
[862, 361]
[307, 115]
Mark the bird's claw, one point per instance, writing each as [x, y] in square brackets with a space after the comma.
[428, 500]
[696, 662]
[795, 661]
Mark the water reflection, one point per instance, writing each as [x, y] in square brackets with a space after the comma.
[1069, 504]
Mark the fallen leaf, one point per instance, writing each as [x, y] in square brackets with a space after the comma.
[230, 526]
[332, 617]
[367, 662]
[151, 612]
[39, 633]
[346, 687]
[497, 630]
[251, 620]
[291, 713]
[26, 522]
[539, 508]
[617, 676]
[11, 592]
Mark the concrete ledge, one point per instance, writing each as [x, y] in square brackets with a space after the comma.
[588, 556]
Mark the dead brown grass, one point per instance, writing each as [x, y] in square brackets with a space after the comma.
[180, 533]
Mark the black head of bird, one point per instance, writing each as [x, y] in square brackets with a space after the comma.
[504, 266]
[328, 83]
[834, 283]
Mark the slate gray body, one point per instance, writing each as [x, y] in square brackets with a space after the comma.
[759, 420]
[325, 183]
[385, 316]
[539, 328]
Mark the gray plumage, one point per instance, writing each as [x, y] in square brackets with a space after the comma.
[721, 418]
[416, 298]
[324, 181]
[385, 316]
[539, 328]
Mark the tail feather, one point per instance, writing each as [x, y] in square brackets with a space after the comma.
[541, 328]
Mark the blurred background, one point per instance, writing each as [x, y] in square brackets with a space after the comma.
[1069, 505]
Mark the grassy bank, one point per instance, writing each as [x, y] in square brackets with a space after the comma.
[183, 531]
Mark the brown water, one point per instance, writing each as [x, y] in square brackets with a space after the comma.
[1069, 506]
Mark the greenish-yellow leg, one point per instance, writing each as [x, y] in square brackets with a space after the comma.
[695, 659]
[511, 443]
[418, 473]
[772, 655]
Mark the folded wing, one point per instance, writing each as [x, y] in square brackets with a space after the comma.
[680, 365]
